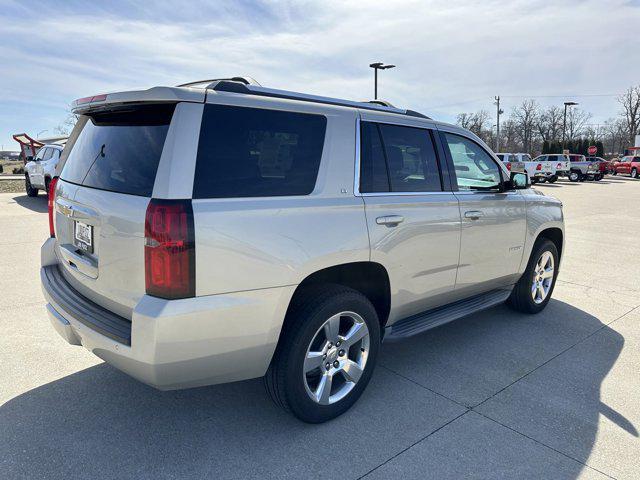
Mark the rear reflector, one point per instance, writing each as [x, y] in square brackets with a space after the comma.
[51, 205]
[539, 166]
[509, 166]
[169, 251]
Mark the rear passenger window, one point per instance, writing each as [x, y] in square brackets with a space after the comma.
[398, 159]
[252, 152]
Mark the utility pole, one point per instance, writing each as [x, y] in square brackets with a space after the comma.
[378, 66]
[498, 112]
[564, 123]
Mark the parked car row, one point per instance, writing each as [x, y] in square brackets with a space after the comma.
[575, 167]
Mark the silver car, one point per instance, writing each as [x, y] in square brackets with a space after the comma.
[221, 231]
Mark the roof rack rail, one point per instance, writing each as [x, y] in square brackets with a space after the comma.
[245, 80]
[235, 85]
[384, 103]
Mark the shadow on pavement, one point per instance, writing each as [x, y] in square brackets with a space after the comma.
[100, 423]
[37, 204]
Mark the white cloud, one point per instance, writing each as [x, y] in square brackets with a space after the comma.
[451, 56]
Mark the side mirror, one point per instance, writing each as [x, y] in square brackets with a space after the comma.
[518, 181]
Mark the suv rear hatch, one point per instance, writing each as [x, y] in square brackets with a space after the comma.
[101, 200]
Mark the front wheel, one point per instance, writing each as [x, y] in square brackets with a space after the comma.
[575, 176]
[614, 173]
[634, 173]
[326, 355]
[533, 291]
[597, 178]
[31, 190]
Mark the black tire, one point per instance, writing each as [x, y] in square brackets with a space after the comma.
[31, 190]
[47, 182]
[534, 181]
[575, 176]
[521, 298]
[614, 173]
[599, 177]
[285, 378]
[634, 173]
[552, 179]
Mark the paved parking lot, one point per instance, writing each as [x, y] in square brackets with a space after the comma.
[496, 395]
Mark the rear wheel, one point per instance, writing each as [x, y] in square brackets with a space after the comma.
[634, 173]
[614, 173]
[326, 354]
[31, 190]
[552, 179]
[533, 291]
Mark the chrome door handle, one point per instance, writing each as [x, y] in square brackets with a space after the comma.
[473, 214]
[390, 220]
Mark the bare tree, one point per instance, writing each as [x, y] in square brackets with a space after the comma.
[65, 127]
[615, 135]
[576, 122]
[630, 101]
[550, 124]
[525, 117]
[476, 122]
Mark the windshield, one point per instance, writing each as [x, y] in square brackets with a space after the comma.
[119, 151]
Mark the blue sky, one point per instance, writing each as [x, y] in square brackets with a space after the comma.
[451, 56]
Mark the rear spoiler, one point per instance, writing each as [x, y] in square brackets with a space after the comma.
[152, 95]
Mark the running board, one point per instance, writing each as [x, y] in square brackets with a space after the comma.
[422, 322]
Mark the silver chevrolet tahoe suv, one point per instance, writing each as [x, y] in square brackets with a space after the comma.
[221, 231]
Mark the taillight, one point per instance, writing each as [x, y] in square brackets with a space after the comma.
[539, 166]
[559, 165]
[169, 250]
[51, 205]
[509, 166]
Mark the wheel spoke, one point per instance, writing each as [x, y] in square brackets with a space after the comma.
[332, 328]
[356, 333]
[313, 361]
[352, 371]
[541, 292]
[548, 273]
[323, 392]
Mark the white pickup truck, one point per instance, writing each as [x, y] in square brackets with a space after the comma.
[559, 161]
[539, 171]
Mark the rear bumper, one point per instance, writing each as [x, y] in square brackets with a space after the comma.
[173, 344]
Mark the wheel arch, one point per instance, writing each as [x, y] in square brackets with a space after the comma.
[369, 278]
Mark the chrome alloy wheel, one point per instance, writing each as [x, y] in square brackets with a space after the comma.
[542, 277]
[336, 358]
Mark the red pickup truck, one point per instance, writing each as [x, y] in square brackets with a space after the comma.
[629, 165]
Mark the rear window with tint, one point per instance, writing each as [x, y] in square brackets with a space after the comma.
[252, 152]
[119, 151]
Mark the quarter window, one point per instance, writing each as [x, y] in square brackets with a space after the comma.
[253, 152]
[475, 169]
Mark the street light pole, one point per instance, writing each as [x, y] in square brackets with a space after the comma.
[498, 112]
[564, 123]
[377, 66]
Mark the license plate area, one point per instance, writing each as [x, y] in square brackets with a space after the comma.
[83, 236]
